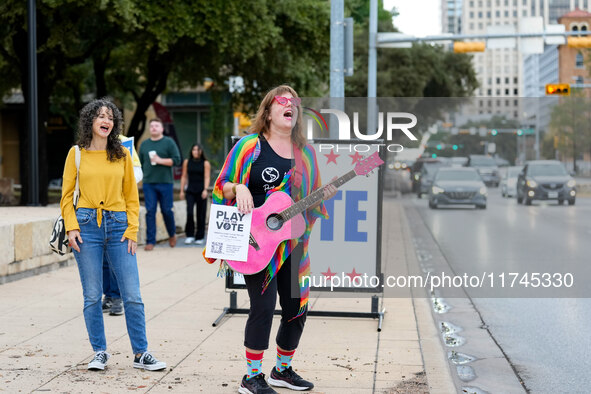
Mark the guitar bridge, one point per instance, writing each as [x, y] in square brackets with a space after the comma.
[254, 243]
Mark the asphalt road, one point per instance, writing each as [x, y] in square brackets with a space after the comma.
[543, 331]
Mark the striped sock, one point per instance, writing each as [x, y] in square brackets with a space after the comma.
[284, 359]
[253, 364]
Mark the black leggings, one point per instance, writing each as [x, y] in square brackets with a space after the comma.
[262, 306]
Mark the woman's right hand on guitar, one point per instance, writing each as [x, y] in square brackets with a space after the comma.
[244, 200]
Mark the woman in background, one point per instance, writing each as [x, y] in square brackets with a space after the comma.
[194, 183]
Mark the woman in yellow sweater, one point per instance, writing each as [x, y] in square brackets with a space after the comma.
[105, 223]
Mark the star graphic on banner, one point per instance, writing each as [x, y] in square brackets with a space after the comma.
[356, 158]
[353, 274]
[328, 274]
[331, 157]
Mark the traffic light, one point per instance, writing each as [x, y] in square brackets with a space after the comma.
[494, 132]
[464, 47]
[579, 42]
[455, 147]
[439, 146]
[558, 89]
[519, 132]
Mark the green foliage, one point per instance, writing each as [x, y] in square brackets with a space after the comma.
[570, 122]
[421, 71]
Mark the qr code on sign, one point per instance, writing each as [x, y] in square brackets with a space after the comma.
[216, 247]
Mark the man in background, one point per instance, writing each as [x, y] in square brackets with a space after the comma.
[158, 155]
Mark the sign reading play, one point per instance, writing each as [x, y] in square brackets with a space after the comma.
[228, 233]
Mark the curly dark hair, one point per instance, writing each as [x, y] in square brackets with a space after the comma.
[88, 114]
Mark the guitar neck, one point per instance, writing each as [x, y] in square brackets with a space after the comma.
[314, 197]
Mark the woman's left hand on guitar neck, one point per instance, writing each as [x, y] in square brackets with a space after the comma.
[329, 192]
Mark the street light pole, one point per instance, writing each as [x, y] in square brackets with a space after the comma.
[33, 189]
[372, 68]
[337, 61]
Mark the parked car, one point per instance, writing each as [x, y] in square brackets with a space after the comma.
[545, 180]
[427, 175]
[453, 186]
[486, 167]
[509, 181]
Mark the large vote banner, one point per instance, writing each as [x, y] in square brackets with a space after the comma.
[345, 249]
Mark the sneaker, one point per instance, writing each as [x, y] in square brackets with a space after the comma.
[148, 362]
[288, 378]
[107, 302]
[189, 240]
[200, 241]
[116, 307]
[99, 362]
[255, 385]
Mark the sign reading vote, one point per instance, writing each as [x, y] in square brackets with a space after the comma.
[228, 233]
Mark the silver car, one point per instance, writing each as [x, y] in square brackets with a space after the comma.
[509, 181]
[455, 186]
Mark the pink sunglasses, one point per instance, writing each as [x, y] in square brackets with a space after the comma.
[285, 101]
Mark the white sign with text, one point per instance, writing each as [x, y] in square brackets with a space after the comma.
[228, 233]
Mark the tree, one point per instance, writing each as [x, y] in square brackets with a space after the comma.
[67, 34]
[570, 124]
[423, 71]
[131, 49]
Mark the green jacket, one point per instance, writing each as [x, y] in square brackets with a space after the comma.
[165, 148]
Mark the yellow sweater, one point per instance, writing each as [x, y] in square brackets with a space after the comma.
[103, 185]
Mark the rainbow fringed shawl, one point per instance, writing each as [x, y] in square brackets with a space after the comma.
[236, 169]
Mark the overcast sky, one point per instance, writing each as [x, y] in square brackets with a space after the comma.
[417, 17]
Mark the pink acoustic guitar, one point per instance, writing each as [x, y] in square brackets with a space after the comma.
[280, 219]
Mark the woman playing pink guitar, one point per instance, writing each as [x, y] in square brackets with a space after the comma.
[275, 157]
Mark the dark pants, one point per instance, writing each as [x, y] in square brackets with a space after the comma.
[110, 285]
[194, 199]
[155, 193]
[262, 306]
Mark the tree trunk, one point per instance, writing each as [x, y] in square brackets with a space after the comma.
[100, 65]
[159, 66]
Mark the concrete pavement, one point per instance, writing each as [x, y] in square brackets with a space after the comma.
[44, 344]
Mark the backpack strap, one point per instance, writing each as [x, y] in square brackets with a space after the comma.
[77, 188]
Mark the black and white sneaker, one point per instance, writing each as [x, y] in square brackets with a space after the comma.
[99, 362]
[148, 362]
[288, 378]
[255, 385]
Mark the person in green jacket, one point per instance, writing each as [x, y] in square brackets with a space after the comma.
[158, 155]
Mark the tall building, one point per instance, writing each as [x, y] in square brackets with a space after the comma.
[451, 16]
[500, 71]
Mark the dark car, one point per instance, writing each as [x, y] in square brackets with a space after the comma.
[427, 175]
[455, 186]
[487, 168]
[545, 180]
[415, 171]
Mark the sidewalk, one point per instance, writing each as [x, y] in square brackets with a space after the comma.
[44, 345]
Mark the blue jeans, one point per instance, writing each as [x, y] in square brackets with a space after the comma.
[154, 193]
[105, 242]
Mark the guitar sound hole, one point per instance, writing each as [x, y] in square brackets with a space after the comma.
[274, 222]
